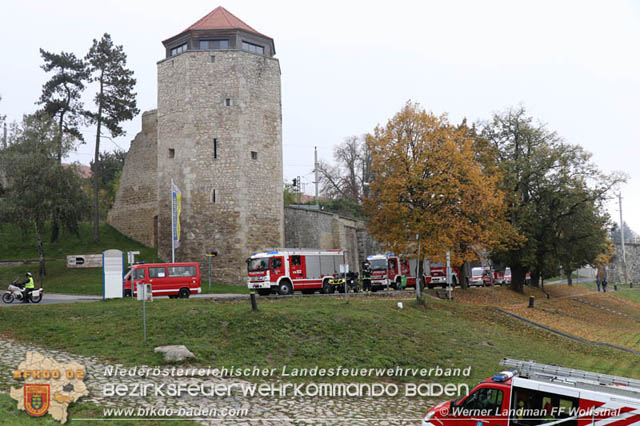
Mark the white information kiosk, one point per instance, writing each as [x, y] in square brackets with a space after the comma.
[112, 274]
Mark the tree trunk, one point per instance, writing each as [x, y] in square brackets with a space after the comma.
[96, 173]
[42, 268]
[518, 275]
[55, 227]
[464, 279]
[535, 279]
[569, 278]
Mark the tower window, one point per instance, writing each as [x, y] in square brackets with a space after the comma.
[172, 153]
[254, 155]
[214, 44]
[227, 102]
[253, 48]
[178, 50]
[215, 148]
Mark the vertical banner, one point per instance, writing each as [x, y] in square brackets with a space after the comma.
[176, 208]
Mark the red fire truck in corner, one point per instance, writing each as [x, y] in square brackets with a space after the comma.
[539, 394]
[387, 270]
[287, 270]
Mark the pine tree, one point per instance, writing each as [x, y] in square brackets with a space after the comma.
[115, 101]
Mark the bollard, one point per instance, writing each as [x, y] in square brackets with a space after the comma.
[531, 301]
[254, 305]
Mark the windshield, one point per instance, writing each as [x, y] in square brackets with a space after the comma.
[254, 265]
[476, 271]
[379, 265]
[507, 271]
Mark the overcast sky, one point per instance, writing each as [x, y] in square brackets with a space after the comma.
[349, 65]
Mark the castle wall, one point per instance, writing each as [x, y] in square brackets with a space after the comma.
[135, 208]
[317, 229]
[632, 256]
[232, 200]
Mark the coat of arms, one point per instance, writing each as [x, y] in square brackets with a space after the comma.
[36, 399]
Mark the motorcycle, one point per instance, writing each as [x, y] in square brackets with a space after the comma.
[15, 293]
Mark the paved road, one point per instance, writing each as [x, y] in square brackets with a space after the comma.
[54, 298]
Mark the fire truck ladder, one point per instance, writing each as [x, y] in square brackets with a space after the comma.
[576, 378]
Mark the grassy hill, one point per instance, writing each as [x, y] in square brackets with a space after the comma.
[305, 332]
[16, 244]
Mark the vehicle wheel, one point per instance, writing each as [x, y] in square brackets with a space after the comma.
[7, 298]
[183, 293]
[264, 291]
[331, 289]
[429, 286]
[127, 293]
[284, 288]
[35, 299]
[325, 287]
[454, 282]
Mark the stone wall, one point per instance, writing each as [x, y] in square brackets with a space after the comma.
[220, 140]
[135, 209]
[316, 229]
[632, 256]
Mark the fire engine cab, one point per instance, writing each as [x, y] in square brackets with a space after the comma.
[539, 394]
[387, 270]
[287, 270]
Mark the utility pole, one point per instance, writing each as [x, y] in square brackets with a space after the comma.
[624, 254]
[299, 189]
[420, 272]
[315, 169]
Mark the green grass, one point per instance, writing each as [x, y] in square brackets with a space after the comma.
[219, 288]
[10, 414]
[630, 294]
[17, 244]
[305, 332]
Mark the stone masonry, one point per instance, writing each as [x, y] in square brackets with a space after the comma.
[632, 256]
[321, 230]
[135, 210]
[232, 199]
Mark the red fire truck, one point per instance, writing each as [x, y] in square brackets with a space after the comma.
[539, 394]
[388, 270]
[438, 276]
[287, 270]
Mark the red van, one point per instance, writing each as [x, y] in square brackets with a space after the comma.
[166, 279]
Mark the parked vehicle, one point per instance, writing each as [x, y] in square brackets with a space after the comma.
[537, 394]
[389, 270]
[166, 279]
[15, 292]
[438, 275]
[287, 270]
[480, 276]
[507, 275]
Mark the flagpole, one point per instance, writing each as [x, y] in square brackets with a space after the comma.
[173, 248]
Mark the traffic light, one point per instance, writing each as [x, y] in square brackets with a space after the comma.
[295, 182]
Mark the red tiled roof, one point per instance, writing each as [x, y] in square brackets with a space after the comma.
[221, 19]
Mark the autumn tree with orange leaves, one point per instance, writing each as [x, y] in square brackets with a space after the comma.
[428, 181]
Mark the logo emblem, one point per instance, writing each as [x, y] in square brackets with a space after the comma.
[36, 399]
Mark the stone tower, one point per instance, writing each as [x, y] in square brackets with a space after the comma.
[219, 130]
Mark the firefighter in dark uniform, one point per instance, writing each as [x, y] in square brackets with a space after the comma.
[29, 286]
[366, 276]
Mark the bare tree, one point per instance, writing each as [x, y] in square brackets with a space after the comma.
[350, 175]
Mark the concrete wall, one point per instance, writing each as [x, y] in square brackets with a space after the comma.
[321, 230]
[232, 202]
[135, 209]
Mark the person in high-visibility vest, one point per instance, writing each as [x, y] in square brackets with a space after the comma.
[29, 286]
